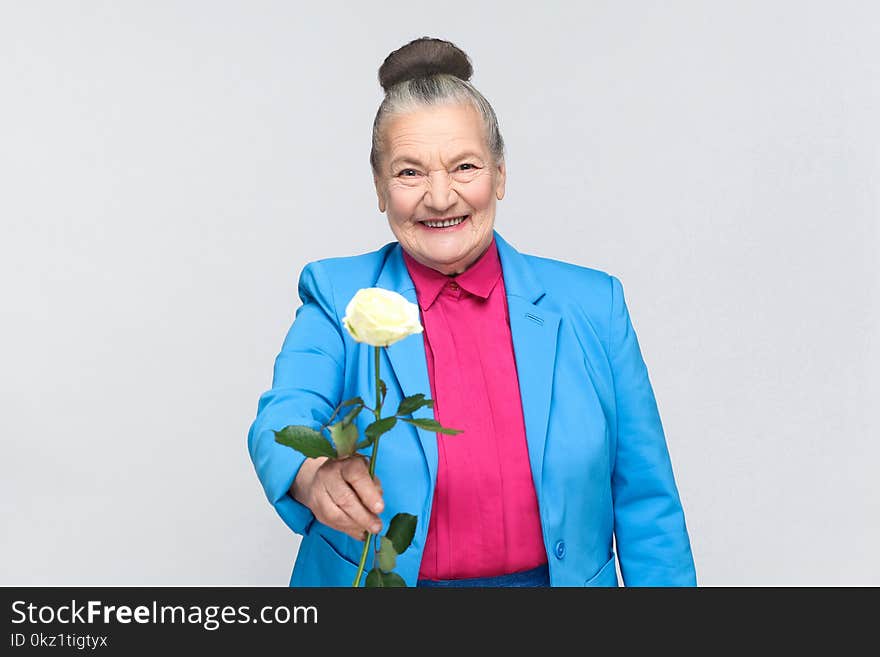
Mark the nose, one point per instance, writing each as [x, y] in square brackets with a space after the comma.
[440, 194]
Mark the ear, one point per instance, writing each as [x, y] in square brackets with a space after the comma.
[380, 193]
[502, 180]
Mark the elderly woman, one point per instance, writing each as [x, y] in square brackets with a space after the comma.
[535, 360]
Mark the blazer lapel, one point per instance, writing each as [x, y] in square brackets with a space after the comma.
[407, 359]
[534, 332]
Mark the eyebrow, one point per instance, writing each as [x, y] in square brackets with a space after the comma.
[406, 159]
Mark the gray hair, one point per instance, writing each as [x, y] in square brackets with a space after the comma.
[431, 91]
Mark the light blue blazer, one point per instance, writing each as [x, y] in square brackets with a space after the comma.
[598, 454]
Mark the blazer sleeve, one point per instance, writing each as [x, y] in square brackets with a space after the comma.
[306, 387]
[652, 540]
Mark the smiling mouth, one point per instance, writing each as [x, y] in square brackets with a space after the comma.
[445, 223]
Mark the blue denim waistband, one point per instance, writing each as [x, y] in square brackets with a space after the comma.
[539, 576]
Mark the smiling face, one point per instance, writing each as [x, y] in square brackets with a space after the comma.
[437, 166]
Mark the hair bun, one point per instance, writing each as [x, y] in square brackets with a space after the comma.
[424, 57]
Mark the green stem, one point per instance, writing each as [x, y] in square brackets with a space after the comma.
[377, 413]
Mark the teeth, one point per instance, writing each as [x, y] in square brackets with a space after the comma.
[445, 223]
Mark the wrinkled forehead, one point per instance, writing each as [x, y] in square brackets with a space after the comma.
[437, 134]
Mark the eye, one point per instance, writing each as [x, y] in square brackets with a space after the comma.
[407, 173]
[470, 166]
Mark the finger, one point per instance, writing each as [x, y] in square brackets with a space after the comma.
[366, 488]
[345, 497]
[329, 513]
[326, 510]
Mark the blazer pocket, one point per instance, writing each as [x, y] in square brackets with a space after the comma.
[330, 567]
[607, 575]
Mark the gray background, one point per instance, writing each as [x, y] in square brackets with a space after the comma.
[167, 168]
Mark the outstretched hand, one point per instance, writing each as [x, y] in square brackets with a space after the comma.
[341, 494]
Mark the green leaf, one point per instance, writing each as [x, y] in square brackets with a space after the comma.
[412, 403]
[305, 440]
[376, 429]
[379, 427]
[387, 558]
[352, 414]
[344, 436]
[377, 579]
[401, 531]
[393, 580]
[374, 579]
[450, 432]
[431, 425]
[347, 402]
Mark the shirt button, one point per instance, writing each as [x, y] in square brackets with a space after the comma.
[560, 549]
[453, 285]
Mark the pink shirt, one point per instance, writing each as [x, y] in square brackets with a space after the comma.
[484, 519]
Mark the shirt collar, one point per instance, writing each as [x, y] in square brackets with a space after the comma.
[479, 279]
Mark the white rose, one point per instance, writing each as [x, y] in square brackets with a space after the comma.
[380, 317]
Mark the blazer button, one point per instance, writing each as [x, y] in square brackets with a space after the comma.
[560, 549]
